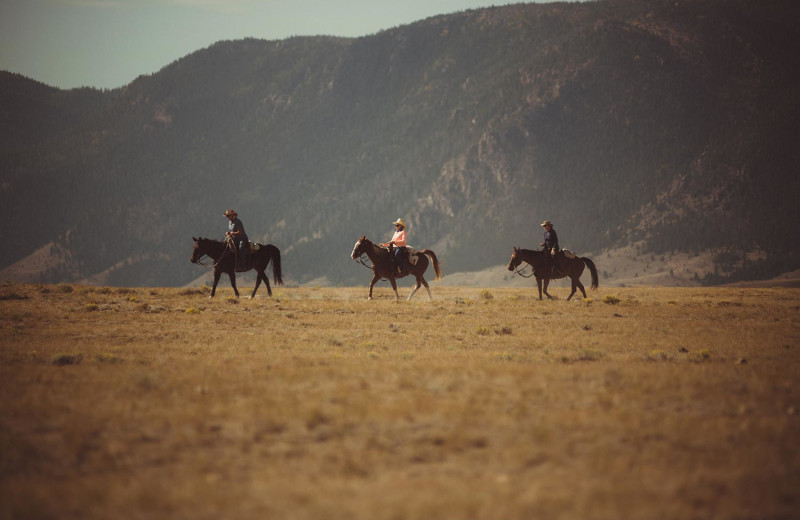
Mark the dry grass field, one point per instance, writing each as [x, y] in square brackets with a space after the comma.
[639, 403]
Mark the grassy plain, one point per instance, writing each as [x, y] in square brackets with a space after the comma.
[640, 402]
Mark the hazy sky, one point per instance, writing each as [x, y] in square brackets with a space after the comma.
[108, 43]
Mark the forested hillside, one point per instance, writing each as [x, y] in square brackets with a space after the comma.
[672, 125]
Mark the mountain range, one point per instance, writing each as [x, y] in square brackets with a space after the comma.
[658, 127]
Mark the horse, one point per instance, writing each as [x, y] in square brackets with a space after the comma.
[383, 266]
[568, 267]
[225, 262]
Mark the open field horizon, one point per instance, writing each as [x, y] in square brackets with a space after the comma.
[636, 402]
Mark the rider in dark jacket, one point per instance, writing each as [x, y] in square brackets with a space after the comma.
[236, 232]
[550, 244]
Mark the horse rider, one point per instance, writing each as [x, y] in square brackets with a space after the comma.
[399, 241]
[550, 245]
[239, 237]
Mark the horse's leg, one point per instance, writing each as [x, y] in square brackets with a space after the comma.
[232, 276]
[545, 286]
[217, 274]
[394, 286]
[427, 288]
[419, 284]
[266, 281]
[372, 284]
[580, 286]
[258, 282]
[539, 284]
[261, 275]
[574, 288]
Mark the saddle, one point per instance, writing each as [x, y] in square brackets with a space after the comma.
[411, 254]
[242, 264]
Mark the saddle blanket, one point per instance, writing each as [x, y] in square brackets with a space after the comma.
[569, 254]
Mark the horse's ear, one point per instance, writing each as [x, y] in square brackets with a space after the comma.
[516, 249]
[362, 237]
[193, 238]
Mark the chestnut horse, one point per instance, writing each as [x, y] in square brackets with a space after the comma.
[383, 266]
[567, 267]
[225, 262]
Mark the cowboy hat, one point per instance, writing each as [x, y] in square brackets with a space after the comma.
[546, 223]
[230, 212]
[400, 222]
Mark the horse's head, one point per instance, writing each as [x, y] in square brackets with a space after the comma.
[515, 259]
[197, 250]
[359, 249]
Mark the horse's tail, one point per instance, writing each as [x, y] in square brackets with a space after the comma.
[593, 270]
[277, 275]
[436, 268]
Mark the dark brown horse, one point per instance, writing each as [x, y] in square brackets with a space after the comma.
[383, 266]
[566, 267]
[225, 262]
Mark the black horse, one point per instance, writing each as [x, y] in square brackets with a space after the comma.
[567, 267]
[225, 262]
[384, 267]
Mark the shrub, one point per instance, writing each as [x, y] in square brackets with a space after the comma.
[91, 307]
[65, 288]
[108, 358]
[611, 300]
[589, 355]
[657, 355]
[483, 331]
[194, 291]
[152, 309]
[192, 310]
[486, 294]
[700, 356]
[13, 296]
[67, 359]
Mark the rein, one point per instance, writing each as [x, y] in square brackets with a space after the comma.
[215, 264]
[361, 260]
[519, 272]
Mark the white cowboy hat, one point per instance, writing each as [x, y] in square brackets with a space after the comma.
[400, 222]
[546, 223]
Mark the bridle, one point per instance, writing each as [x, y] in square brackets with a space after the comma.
[360, 259]
[215, 264]
[519, 270]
